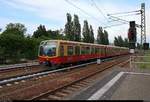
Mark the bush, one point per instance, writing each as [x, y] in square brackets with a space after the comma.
[13, 48]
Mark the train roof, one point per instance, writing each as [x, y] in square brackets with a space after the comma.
[74, 42]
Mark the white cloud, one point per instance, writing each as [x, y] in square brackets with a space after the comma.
[30, 26]
[55, 10]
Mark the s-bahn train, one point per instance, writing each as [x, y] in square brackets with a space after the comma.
[61, 52]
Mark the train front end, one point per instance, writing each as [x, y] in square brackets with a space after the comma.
[48, 53]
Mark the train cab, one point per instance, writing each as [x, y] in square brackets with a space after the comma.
[47, 50]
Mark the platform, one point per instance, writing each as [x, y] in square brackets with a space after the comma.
[118, 85]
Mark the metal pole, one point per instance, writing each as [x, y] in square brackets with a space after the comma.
[143, 25]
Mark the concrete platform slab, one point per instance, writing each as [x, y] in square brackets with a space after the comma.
[118, 86]
[134, 87]
[86, 93]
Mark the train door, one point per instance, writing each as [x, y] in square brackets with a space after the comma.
[63, 53]
[102, 51]
[70, 53]
[61, 50]
[77, 53]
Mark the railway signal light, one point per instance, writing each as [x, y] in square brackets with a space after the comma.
[132, 32]
[145, 46]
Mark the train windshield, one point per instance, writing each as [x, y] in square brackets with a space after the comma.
[48, 49]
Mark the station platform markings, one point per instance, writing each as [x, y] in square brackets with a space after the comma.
[105, 88]
[97, 95]
[99, 89]
[136, 73]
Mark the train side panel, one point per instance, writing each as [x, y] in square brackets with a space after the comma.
[71, 52]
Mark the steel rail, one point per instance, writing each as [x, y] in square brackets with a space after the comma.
[74, 82]
[14, 66]
[6, 81]
[25, 77]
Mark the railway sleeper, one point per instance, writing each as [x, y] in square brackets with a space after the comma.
[53, 97]
[75, 86]
[61, 94]
[71, 88]
[79, 85]
[66, 91]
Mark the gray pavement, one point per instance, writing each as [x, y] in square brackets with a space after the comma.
[128, 86]
[85, 94]
[134, 87]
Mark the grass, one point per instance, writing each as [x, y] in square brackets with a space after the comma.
[144, 66]
[145, 59]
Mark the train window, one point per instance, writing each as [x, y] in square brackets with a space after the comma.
[77, 50]
[70, 50]
[100, 50]
[96, 50]
[107, 50]
[103, 50]
[83, 50]
[93, 50]
[116, 50]
[61, 50]
[87, 50]
[49, 49]
[110, 50]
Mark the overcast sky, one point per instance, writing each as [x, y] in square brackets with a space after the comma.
[52, 14]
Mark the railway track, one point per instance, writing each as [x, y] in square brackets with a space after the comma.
[79, 76]
[17, 66]
[19, 70]
[41, 73]
[25, 77]
[63, 91]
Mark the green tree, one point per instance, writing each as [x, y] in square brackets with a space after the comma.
[121, 42]
[138, 45]
[31, 48]
[86, 32]
[106, 40]
[91, 35]
[100, 36]
[76, 29]
[12, 45]
[126, 42]
[15, 28]
[55, 34]
[41, 31]
[116, 42]
[68, 28]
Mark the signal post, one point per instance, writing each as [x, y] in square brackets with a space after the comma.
[132, 36]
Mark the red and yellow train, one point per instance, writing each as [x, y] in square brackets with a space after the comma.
[60, 52]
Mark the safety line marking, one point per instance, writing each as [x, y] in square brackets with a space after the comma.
[137, 73]
[106, 87]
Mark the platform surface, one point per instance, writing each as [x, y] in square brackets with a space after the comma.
[133, 87]
[119, 85]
